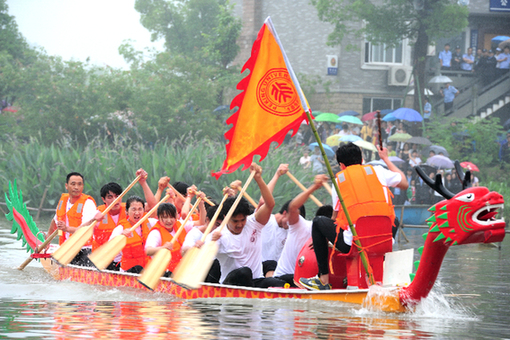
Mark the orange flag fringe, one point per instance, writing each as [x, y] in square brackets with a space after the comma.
[271, 104]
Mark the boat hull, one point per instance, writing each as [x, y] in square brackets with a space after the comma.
[389, 302]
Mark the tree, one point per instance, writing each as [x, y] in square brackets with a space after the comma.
[421, 21]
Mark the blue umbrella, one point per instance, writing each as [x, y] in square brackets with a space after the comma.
[405, 113]
[500, 38]
[389, 118]
[327, 148]
[348, 113]
[350, 138]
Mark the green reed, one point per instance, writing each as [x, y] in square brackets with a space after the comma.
[38, 168]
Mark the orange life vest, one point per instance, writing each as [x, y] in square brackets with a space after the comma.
[74, 215]
[166, 236]
[104, 229]
[363, 195]
[134, 252]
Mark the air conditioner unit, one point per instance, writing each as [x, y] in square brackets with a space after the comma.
[399, 75]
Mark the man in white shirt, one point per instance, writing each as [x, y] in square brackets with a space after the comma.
[299, 232]
[240, 243]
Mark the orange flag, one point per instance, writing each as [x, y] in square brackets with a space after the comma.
[271, 104]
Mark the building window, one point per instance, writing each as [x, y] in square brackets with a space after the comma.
[372, 104]
[382, 54]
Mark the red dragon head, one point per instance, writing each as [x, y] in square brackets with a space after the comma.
[468, 217]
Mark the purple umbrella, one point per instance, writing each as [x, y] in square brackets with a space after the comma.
[441, 162]
[396, 160]
[405, 113]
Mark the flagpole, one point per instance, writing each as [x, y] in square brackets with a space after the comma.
[364, 258]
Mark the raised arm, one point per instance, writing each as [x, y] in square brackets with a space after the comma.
[147, 192]
[299, 200]
[383, 154]
[162, 185]
[264, 211]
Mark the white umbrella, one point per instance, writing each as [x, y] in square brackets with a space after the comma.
[440, 79]
[365, 145]
[427, 92]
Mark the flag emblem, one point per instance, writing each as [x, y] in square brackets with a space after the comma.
[275, 93]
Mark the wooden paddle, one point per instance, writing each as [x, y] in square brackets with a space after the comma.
[206, 200]
[70, 248]
[245, 194]
[104, 255]
[190, 257]
[39, 249]
[204, 258]
[379, 127]
[302, 187]
[157, 266]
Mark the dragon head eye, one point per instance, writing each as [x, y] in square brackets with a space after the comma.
[466, 197]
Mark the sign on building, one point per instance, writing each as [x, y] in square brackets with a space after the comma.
[332, 65]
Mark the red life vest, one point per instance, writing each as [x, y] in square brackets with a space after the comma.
[104, 228]
[74, 215]
[166, 236]
[363, 195]
[134, 252]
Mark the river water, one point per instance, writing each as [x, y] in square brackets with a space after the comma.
[469, 301]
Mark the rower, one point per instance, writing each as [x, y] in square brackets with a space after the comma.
[132, 258]
[240, 244]
[365, 194]
[73, 210]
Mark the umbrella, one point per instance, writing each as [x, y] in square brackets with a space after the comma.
[436, 148]
[441, 162]
[396, 160]
[369, 116]
[419, 140]
[222, 108]
[427, 92]
[470, 166]
[350, 138]
[499, 39]
[427, 168]
[408, 114]
[315, 113]
[348, 113]
[329, 150]
[389, 117]
[327, 117]
[440, 79]
[365, 145]
[350, 119]
[400, 137]
[378, 162]
[333, 140]
[386, 111]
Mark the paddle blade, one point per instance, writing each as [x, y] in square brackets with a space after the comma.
[70, 248]
[197, 270]
[181, 270]
[104, 255]
[155, 269]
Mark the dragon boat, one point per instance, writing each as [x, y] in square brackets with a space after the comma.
[468, 217]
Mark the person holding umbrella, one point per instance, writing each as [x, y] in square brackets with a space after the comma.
[449, 93]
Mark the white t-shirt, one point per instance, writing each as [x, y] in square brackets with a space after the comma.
[273, 240]
[296, 239]
[88, 212]
[243, 250]
[417, 161]
[192, 237]
[387, 178]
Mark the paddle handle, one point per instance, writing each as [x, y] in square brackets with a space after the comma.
[215, 217]
[146, 216]
[181, 228]
[206, 200]
[39, 249]
[302, 187]
[327, 187]
[236, 202]
[379, 127]
[245, 194]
